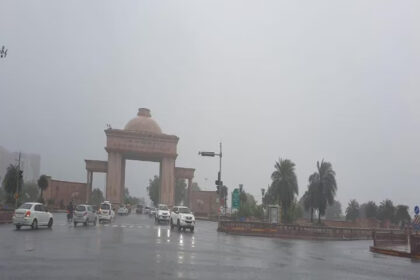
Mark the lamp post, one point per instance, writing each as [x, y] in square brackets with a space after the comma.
[219, 183]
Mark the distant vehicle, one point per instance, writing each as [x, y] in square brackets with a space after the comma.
[105, 212]
[139, 209]
[152, 212]
[146, 210]
[32, 214]
[182, 218]
[122, 211]
[84, 214]
[162, 213]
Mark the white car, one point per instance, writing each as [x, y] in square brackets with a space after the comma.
[84, 214]
[182, 218]
[162, 213]
[32, 214]
[105, 212]
[122, 211]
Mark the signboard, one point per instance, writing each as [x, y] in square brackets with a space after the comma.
[235, 199]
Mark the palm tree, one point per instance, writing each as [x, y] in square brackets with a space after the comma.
[353, 210]
[285, 185]
[309, 199]
[43, 185]
[325, 185]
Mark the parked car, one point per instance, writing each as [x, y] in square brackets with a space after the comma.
[105, 212]
[139, 209]
[32, 214]
[84, 214]
[122, 211]
[162, 213]
[146, 210]
[182, 218]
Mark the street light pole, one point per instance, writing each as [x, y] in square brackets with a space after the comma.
[219, 181]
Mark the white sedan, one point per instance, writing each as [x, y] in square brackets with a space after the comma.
[32, 214]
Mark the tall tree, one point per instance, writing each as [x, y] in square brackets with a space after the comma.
[153, 189]
[284, 185]
[402, 216]
[12, 182]
[96, 197]
[43, 185]
[353, 210]
[325, 186]
[386, 210]
[310, 198]
[371, 210]
[195, 187]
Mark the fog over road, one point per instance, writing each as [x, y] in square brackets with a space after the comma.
[133, 247]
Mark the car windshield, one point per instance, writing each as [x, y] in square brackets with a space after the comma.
[105, 206]
[25, 206]
[80, 208]
[163, 207]
[184, 210]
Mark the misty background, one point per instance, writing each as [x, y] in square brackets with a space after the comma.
[304, 80]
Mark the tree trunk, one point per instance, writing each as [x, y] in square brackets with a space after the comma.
[42, 195]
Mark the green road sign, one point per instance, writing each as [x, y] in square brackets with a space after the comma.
[235, 198]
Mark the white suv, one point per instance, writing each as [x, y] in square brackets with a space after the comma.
[162, 213]
[32, 214]
[182, 218]
[105, 212]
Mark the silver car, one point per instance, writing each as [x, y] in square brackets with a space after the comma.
[84, 214]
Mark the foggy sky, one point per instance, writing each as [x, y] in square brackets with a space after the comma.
[304, 80]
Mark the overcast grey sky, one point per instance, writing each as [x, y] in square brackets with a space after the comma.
[304, 80]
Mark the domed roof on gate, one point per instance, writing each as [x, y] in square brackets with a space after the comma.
[143, 123]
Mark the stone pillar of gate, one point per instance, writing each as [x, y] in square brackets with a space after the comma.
[122, 180]
[167, 181]
[89, 185]
[115, 178]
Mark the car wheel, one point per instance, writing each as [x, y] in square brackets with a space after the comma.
[192, 229]
[179, 226]
[18, 227]
[50, 223]
[172, 224]
[75, 224]
[34, 224]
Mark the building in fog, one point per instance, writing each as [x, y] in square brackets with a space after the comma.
[59, 193]
[205, 203]
[29, 163]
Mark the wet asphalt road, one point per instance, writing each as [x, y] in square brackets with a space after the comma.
[133, 247]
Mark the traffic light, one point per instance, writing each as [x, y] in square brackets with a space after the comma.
[20, 174]
[207, 154]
